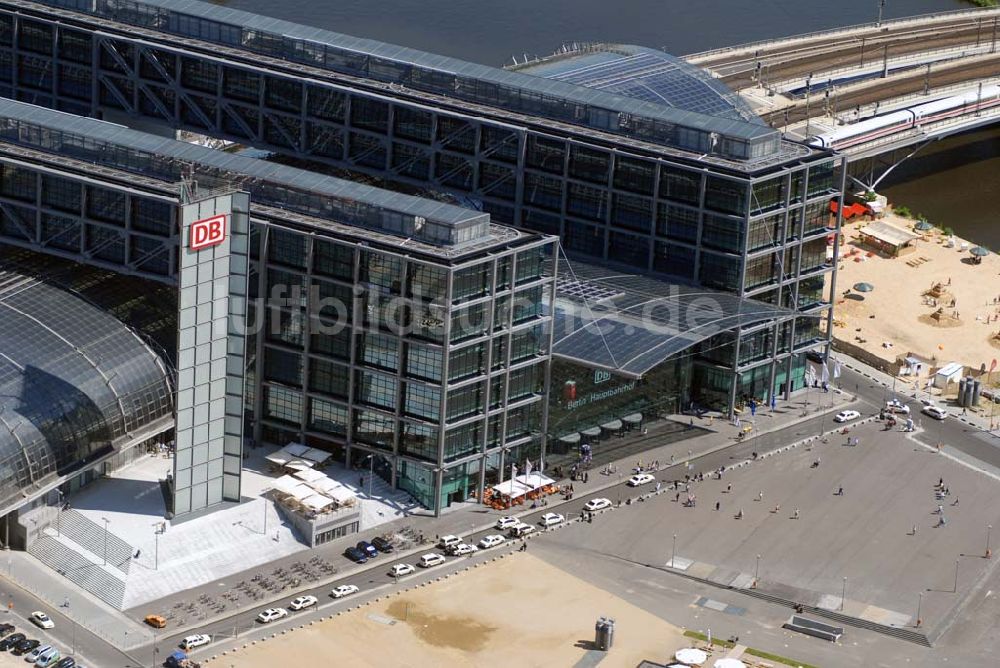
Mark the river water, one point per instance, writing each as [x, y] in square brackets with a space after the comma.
[955, 183]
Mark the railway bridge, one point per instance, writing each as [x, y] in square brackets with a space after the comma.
[877, 92]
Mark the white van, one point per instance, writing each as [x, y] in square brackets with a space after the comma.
[431, 559]
[448, 541]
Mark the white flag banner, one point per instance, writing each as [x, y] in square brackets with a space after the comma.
[527, 467]
[825, 373]
[836, 368]
[513, 471]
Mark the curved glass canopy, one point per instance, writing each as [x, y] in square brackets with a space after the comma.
[73, 380]
[629, 324]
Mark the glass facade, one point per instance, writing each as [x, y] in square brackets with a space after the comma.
[435, 368]
[417, 358]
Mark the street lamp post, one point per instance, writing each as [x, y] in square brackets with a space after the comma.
[955, 588]
[673, 553]
[619, 488]
[989, 553]
[843, 594]
[156, 548]
[106, 522]
[920, 600]
[73, 622]
[756, 572]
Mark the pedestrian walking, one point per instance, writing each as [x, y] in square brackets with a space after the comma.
[955, 502]
[795, 515]
[777, 508]
[739, 515]
[840, 491]
[940, 509]
[913, 531]
[760, 495]
[677, 497]
[716, 505]
[729, 488]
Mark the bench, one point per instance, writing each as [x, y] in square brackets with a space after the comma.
[814, 628]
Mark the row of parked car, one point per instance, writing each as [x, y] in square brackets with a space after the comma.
[35, 651]
[303, 602]
[366, 550]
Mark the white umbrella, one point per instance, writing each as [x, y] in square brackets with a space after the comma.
[726, 662]
[691, 656]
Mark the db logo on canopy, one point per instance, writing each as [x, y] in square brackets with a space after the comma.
[207, 232]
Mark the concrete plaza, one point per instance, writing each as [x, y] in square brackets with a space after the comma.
[177, 555]
[855, 552]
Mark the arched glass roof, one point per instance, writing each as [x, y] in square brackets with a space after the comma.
[645, 74]
[73, 380]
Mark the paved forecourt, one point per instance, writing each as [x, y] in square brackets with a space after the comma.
[864, 535]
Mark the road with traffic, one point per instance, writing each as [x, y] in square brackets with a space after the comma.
[374, 578]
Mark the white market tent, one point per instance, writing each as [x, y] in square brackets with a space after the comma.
[297, 456]
[314, 490]
[729, 662]
[522, 484]
[310, 475]
[691, 656]
[511, 488]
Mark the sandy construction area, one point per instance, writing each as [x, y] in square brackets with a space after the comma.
[898, 312]
[518, 611]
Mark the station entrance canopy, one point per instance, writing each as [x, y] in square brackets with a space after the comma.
[629, 324]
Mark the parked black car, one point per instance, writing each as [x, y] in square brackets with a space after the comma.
[11, 641]
[5, 629]
[367, 548]
[26, 646]
[381, 544]
[66, 662]
[356, 555]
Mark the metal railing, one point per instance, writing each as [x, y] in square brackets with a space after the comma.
[877, 64]
[831, 32]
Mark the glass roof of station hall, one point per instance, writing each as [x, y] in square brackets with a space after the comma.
[73, 379]
[645, 74]
[629, 324]
[564, 101]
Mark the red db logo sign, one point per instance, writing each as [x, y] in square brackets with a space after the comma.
[207, 232]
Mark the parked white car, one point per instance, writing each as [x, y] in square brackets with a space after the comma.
[505, 523]
[935, 412]
[33, 655]
[399, 570]
[897, 406]
[846, 416]
[197, 640]
[548, 519]
[344, 590]
[520, 530]
[641, 479]
[491, 541]
[42, 620]
[303, 602]
[431, 559]
[448, 541]
[463, 549]
[597, 504]
[271, 614]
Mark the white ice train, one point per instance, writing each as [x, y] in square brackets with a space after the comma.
[904, 119]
